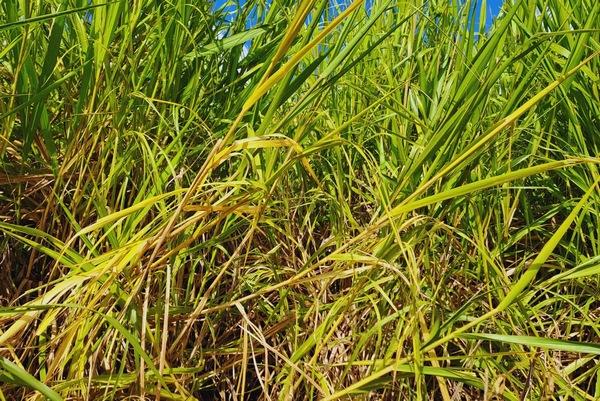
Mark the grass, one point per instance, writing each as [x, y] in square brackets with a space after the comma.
[299, 200]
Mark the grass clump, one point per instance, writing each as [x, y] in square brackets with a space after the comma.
[299, 200]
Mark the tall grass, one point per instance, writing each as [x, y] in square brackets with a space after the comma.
[299, 200]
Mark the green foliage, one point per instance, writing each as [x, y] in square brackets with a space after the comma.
[299, 200]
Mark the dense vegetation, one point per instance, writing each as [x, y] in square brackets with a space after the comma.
[309, 200]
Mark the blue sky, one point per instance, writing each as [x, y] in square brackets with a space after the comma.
[493, 7]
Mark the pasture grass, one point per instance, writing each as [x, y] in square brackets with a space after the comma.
[309, 200]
